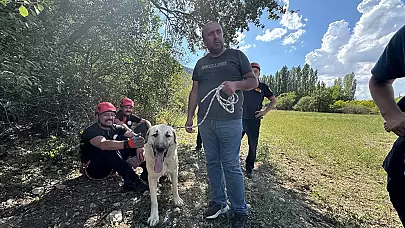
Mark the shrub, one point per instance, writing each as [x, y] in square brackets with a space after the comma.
[306, 104]
[285, 101]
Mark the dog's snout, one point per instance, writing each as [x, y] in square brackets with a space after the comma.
[160, 149]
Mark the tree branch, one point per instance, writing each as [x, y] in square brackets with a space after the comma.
[156, 4]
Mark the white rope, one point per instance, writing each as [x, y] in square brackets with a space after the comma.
[227, 104]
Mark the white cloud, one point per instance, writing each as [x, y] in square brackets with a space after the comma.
[292, 38]
[241, 42]
[245, 47]
[270, 35]
[291, 21]
[324, 59]
[343, 52]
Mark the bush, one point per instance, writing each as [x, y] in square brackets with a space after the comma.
[357, 109]
[306, 104]
[285, 101]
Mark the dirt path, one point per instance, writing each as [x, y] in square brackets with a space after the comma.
[70, 200]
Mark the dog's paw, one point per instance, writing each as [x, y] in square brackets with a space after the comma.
[153, 220]
[178, 201]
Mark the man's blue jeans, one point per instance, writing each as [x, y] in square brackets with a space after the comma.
[222, 139]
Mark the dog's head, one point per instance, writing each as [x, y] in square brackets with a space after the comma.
[162, 139]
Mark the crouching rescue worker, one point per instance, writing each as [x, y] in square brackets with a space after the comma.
[129, 120]
[103, 153]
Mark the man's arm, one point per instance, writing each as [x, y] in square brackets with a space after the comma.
[104, 144]
[273, 102]
[389, 66]
[192, 105]
[148, 124]
[382, 93]
[249, 82]
[129, 134]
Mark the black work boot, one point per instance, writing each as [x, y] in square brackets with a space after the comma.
[249, 173]
[132, 183]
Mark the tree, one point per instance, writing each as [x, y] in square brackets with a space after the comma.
[68, 59]
[323, 98]
[185, 18]
[349, 85]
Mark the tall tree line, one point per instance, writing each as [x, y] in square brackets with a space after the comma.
[302, 81]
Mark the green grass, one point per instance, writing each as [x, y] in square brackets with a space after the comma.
[330, 161]
[334, 160]
[313, 170]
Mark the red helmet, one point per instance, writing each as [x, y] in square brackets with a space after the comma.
[105, 107]
[127, 102]
[255, 65]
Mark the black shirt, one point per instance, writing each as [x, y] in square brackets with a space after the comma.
[128, 120]
[391, 65]
[254, 99]
[87, 150]
[211, 72]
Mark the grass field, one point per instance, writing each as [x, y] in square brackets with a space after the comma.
[314, 170]
[333, 160]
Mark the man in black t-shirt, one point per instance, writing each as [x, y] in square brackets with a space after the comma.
[252, 114]
[102, 153]
[390, 66]
[221, 130]
[128, 120]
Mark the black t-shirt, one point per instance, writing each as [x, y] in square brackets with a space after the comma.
[87, 150]
[128, 120]
[391, 65]
[211, 72]
[254, 99]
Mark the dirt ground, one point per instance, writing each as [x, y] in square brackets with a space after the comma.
[70, 200]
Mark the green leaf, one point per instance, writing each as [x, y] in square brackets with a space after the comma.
[40, 7]
[23, 11]
[4, 2]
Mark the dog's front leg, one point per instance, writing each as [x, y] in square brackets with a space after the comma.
[176, 198]
[154, 216]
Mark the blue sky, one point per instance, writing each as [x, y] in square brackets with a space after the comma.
[335, 37]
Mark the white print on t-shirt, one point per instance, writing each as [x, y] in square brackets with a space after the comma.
[115, 137]
[129, 122]
[220, 64]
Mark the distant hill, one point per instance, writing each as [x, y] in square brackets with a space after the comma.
[188, 70]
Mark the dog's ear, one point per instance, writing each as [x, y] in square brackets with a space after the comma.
[174, 136]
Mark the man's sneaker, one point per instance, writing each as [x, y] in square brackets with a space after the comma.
[239, 221]
[215, 210]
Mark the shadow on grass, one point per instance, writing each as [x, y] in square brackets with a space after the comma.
[276, 206]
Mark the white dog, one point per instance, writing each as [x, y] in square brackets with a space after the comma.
[161, 158]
